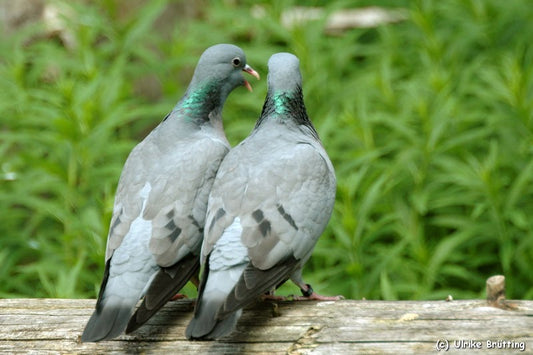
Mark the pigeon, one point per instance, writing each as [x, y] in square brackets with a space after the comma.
[156, 230]
[272, 198]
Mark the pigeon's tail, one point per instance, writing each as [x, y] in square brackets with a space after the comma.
[109, 319]
[166, 283]
[117, 299]
[214, 289]
[205, 325]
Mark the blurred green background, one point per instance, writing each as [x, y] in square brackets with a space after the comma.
[428, 120]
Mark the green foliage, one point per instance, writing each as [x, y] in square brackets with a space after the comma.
[428, 122]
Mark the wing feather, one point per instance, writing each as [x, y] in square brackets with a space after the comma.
[282, 210]
[254, 282]
[180, 184]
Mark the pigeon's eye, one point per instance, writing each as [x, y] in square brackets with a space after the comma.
[236, 61]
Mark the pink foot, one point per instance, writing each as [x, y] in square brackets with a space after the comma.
[269, 297]
[178, 296]
[310, 295]
[316, 297]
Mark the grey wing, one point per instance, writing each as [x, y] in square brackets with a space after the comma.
[177, 200]
[283, 202]
[286, 218]
[178, 226]
[128, 200]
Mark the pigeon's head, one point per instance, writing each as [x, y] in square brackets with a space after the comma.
[224, 64]
[284, 101]
[284, 72]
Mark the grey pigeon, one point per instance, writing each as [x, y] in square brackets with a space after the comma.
[271, 200]
[156, 231]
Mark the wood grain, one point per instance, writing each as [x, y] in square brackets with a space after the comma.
[344, 327]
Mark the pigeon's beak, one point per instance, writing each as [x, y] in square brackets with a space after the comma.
[252, 72]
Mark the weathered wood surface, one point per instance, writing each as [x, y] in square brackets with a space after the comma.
[343, 327]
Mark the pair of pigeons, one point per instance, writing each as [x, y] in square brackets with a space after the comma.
[250, 216]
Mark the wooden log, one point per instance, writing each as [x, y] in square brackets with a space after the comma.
[348, 326]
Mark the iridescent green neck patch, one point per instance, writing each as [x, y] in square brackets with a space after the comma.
[201, 99]
[280, 102]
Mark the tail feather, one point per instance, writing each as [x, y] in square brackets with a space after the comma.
[205, 325]
[214, 288]
[109, 319]
[167, 282]
[119, 293]
[225, 326]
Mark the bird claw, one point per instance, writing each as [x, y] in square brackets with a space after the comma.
[312, 297]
